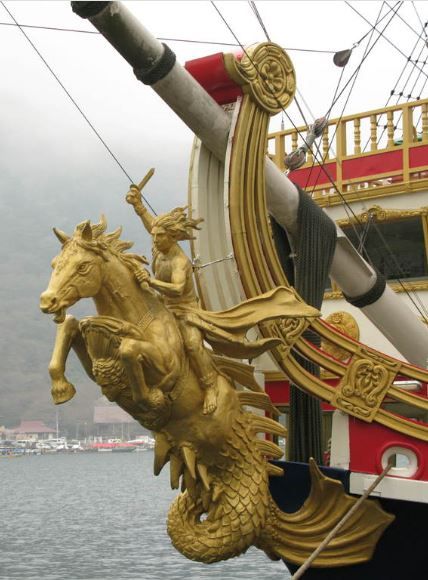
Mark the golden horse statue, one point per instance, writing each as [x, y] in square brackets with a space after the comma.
[134, 350]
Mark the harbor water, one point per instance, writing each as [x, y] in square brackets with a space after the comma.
[99, 515]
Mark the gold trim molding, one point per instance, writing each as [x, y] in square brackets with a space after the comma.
[380, 214]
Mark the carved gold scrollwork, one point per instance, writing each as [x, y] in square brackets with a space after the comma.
[289, 330]
[292, 328]
[347, 324]
[267, 73]
[365, 385]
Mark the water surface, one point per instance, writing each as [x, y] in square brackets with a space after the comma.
[99, 515]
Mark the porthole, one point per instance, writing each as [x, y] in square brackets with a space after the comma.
[405, 461]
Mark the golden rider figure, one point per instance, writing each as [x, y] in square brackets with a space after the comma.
[173, 279]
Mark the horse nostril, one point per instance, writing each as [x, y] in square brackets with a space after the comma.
[47, 301]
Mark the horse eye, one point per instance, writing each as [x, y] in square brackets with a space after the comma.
[82, 268]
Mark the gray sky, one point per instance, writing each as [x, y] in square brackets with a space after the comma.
[54, 170]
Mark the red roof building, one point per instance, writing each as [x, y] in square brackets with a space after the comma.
[33, 429]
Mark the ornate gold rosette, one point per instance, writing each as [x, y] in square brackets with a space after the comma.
[266, 73]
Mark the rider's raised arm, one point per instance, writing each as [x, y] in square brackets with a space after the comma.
[134, 198]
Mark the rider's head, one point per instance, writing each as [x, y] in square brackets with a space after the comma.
[162, 240]
[175, 225]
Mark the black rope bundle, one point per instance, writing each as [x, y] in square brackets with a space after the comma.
[314, 253]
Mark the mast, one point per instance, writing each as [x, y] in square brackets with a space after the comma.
[154, 64]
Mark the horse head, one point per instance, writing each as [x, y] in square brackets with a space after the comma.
[79, 270]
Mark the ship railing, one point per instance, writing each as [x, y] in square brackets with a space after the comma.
[370, 154]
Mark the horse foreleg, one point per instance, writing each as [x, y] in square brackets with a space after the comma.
[133, 353]
[68, 336]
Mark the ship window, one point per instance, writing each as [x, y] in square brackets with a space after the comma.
[396, 248]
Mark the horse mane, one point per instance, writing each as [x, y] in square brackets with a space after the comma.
[93, 237]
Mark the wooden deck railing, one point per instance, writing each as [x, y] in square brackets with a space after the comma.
[371, 154]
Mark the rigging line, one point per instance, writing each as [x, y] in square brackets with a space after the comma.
[420, 21]
[366, 228]
[412, 295]
[354, 76]
[369, 31]
[259, 18]
[409, 96]
[74, 102]
[158, 38]
[414, 68]
[284, 111]
[395, 9]
[398, 98]
[305, 103]
[254, 8]
[348, 97]
[420, 114]
[347, 83]
[49, 28]
[288, 116]
[398, 6]
[407, 24]
[404, 68]
[387, 39]
[364, 234]
[325, 154]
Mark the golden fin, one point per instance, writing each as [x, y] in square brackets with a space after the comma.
[162, 449]
[266, 425]
[176, 469]
[190, 460]
[274, 470]
[242, 373]
[268, 448]
[203, 472]
[258, 400]
[295, 536]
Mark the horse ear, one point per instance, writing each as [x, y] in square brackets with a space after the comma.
[62, 236]
[87, 232]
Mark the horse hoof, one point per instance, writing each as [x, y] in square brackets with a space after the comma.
[62, 394]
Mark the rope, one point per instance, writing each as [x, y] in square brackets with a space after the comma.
[191, 41]
[387, 39]
[357, 71]
[314, 254]
[73, 101]
[299, 573]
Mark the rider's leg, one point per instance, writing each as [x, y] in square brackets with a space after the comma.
[202, 364]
